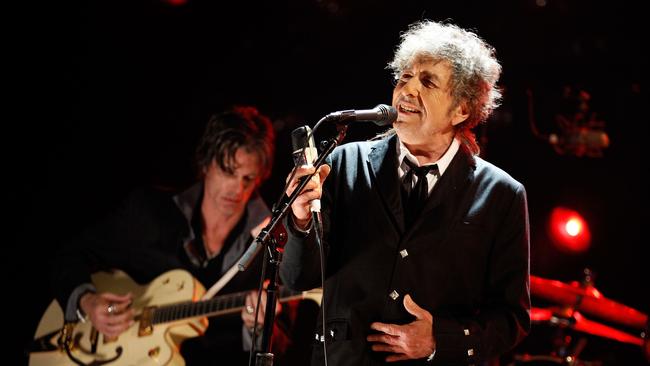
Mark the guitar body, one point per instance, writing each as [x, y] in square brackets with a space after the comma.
[160, 347]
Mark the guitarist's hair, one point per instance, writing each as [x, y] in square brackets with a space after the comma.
[240, 127]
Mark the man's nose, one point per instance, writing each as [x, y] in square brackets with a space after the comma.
[236, 185]
[412, 87]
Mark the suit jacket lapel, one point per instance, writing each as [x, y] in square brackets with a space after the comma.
[382, 162]
[456, 176]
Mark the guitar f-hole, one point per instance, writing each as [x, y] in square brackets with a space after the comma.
[68, 349]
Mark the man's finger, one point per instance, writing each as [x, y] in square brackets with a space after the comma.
[397, 357]
[323, 172]
[380, 347]
[111, 297]
[382, 338]
[414, 309]
[391, 329]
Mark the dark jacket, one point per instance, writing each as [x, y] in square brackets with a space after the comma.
[147, 235]
[465, 259]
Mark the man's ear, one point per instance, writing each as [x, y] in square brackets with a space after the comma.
[459, 114]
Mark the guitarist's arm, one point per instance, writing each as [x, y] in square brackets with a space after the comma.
[126, 239]
[73, 312]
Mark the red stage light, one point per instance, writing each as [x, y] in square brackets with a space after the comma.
[568, 230]
[175, 2]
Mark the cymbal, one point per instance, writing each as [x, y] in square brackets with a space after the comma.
[575, 320]
[587, 299]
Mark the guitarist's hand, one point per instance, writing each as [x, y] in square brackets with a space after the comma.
[110, 314]
[248, 312]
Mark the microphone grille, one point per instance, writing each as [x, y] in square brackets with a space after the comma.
[304, 147]
[299, 137]
[388, 115]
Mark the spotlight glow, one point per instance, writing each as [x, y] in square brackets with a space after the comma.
[569, 231]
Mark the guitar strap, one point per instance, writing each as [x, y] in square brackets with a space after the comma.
[221, 282]
[251, 252]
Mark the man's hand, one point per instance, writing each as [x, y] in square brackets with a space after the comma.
[313, 190]
[248, 312]
[110, 314]
[404, 342]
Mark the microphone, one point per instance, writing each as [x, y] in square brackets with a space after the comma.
[305, 153]
[304, 147]
[381, 115]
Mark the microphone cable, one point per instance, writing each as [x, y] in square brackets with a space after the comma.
[318, 226]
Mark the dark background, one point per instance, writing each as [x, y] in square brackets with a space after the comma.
[111, 95]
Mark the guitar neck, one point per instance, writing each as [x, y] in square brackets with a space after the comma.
[221, 305]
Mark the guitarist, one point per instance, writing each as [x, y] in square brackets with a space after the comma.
[203, 230]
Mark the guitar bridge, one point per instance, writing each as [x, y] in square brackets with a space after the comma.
[145, 327]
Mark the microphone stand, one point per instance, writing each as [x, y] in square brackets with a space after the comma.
[270, 237]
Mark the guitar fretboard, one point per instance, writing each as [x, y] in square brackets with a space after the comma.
[224, 304]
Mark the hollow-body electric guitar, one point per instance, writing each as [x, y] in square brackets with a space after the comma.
[167, 312]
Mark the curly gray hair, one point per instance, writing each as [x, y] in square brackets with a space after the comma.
[475, 69]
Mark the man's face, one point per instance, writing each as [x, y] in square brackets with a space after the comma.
[424, 103]
[228, 192]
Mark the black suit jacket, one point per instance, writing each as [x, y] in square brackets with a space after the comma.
[465, 259]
